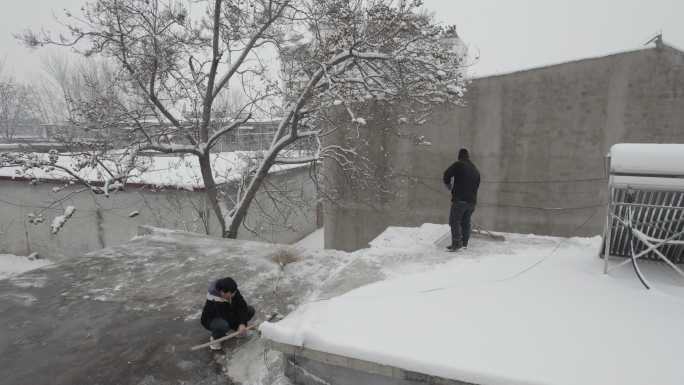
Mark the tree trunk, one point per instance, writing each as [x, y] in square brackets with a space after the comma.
[243, 206]
[212, 192]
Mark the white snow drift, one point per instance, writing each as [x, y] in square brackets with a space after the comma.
[532, 310]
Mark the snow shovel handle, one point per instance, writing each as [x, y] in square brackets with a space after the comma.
[227, 337]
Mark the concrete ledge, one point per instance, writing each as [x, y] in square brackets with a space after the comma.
[309, 367]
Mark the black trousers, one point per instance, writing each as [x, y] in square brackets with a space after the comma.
[220, 327]
[459, 221]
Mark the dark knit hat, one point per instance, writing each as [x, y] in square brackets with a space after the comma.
[463, 154]
[226, 285]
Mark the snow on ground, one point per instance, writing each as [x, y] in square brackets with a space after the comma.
[530, 310]
[11, 265]
[312, 242]
[419, 239]
[321, 274]
[162, 276]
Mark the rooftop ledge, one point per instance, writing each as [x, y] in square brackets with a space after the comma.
[304, 366]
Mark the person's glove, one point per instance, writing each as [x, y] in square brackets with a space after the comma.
[242, 329]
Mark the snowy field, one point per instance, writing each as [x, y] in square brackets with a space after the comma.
[530, 310]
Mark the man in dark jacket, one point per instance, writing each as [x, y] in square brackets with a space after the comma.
[463, 179]
[224, 310]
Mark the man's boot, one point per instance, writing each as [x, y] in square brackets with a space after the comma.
[214, 345]
[454, 246]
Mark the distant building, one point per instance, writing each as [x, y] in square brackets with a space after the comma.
[539, 138]
[251, 136]
[25, 132]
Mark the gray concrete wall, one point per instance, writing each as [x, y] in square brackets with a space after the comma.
[311, 367]
[303, 371]
[102, 222]
[539, 138]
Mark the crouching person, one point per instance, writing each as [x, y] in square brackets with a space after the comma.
[225, 310]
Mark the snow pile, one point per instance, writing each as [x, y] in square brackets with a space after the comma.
[531, 310]
[159, 171]
[11, 265]
[426, 235]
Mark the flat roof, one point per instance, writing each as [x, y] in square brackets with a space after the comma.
[530, 310]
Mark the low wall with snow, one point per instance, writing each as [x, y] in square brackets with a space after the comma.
[101, 222]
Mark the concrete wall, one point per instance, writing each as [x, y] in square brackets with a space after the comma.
[539, 138]
[304, 371]
[304, 366]
[101, 222]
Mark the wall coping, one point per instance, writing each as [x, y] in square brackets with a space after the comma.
[574, 61]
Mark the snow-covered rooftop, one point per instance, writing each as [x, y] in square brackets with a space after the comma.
[530, 310]
[181, 172]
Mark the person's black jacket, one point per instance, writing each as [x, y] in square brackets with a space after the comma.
[235, 312]
[466, 181]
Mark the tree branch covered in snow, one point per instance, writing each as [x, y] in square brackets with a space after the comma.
[59, 221]
[171, 64]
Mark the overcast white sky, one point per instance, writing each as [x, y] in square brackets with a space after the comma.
[508, 34]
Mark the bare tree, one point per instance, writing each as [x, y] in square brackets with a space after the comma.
[173, 70]
[17, 109]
